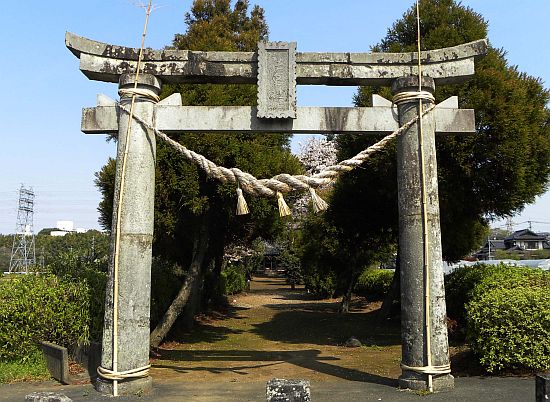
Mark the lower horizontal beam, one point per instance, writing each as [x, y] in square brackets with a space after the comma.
[309, 120]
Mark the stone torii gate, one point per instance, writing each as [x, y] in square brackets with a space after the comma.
[277, 68]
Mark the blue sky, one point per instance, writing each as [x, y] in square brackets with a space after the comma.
[44, 92]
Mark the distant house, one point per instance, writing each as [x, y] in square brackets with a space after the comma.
[488, 251]
[526, 240]
[519, 241]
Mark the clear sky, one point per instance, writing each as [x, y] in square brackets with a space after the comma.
[44, 91]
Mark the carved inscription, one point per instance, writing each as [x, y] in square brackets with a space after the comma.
[277, 80]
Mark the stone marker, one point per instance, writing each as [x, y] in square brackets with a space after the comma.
[57, 361]
[47, 397]
[281, 390]
[542, 387]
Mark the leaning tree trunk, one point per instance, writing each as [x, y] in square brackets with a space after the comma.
[179, 302]
[193, 304]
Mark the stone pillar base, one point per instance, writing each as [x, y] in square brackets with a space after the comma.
[133, 386]
[419, 382]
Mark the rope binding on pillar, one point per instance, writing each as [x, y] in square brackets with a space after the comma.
[114, 374]
[429, 369]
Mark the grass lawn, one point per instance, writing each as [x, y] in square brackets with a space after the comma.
[31, 369]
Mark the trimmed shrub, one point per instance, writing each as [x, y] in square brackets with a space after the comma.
[509, 327]
[374, 284]
[233, 279]
[460, 284]
[42, 308]
[320, 284]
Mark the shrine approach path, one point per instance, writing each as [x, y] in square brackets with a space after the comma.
[275, 332]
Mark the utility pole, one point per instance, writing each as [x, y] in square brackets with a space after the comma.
[23, 253]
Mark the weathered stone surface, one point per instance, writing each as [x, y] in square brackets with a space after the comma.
[47, 397]
[104, 62]
[280, 390]
[89, 357]
[57, 361]
[136, 235]
[136, 386]
[353, 342]
[412, 241]
[277, 80]
[315, 120]
[542, 387]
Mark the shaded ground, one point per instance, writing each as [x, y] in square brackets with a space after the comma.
[275, 332]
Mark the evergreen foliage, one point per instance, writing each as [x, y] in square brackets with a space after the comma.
[187, 202]
[42, 308]
[492, 173]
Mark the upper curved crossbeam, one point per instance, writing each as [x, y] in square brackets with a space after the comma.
[104, 62]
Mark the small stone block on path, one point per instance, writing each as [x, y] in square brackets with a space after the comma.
[57, 361]
[47, 397]
[542, 387]
[280, 390]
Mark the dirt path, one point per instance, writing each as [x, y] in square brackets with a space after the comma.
[274, 332]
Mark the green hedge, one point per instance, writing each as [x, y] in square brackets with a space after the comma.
[509, 328]
[35, 308]
[506, 312]
[374, 284]
[460, 284]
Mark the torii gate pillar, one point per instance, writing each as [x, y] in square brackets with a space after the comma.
[420, 246]
[136, 236]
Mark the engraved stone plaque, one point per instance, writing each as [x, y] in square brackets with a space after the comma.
[277, 80]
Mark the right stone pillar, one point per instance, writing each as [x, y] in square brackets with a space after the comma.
[425, 349]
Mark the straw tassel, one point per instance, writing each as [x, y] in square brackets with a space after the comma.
[242, 208]
[284, 210]
[318, 203]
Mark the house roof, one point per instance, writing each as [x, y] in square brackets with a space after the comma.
[524, 234]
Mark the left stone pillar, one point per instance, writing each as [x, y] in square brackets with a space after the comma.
[134, 227]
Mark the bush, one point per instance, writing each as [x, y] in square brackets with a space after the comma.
[36, 308]
[374, 284]
[71, 267]
[322, 285]
[506, 312]
[233, 279]
[509, 327]
[460, 284]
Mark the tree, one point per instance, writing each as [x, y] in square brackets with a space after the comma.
[506, 164]
[194, 215]
[490, 174]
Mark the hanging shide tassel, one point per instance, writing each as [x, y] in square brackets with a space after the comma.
[284, 210]
[318, 203]
[242, 208]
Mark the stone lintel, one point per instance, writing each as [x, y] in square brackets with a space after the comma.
[314, 120]
[104, 62]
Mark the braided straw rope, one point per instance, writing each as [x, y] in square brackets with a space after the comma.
[283, 183]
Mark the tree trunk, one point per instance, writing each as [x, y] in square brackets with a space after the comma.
[393, 293]
[193, 301]
[346, 299]
[193, 276]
